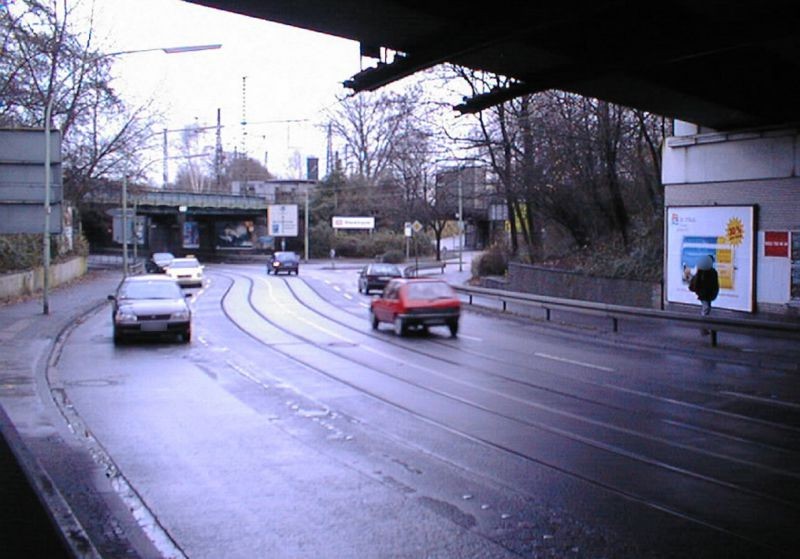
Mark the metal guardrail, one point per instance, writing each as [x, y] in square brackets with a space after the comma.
[413, 271]
[616, 312]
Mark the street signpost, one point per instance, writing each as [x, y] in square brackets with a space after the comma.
[282, 221]
[24, 183]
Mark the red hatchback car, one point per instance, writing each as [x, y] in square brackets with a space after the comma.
[416, 303]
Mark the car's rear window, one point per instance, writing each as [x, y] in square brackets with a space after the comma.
[192, 263]
[429, 290]
[384, 270]
[150, 290]
[285, 256]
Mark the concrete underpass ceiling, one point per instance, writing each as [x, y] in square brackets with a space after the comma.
[724, 65]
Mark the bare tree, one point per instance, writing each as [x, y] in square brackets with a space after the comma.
[580, 163]
[369, 125]
[48, 61]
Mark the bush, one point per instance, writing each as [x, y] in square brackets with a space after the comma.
[24, 251]
[493, 262]
[393, 257]
[382, 245]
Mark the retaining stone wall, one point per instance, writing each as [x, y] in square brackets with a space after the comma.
[29, 282]
[539, 280]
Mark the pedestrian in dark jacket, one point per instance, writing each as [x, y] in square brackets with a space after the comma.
[705, 284]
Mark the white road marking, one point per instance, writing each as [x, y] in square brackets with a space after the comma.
[471, 338]
[762, 399]
[573, 362]
[348, 296]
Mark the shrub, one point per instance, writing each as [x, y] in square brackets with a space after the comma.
[493, 262]
[393, 256]
[379, 244]
[24, 251]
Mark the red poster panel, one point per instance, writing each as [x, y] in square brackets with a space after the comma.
[776, 243]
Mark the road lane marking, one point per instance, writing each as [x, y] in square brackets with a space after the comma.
[762, 399]
[574, 362]
[470, 338]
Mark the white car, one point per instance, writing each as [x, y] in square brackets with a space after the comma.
[186, 271]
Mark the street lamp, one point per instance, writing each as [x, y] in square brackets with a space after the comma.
[47, 163]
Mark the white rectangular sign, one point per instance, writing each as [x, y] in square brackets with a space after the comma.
[727, 233]
[353, 222]
[282, 220]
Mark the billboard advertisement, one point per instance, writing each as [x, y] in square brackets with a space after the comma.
[233, 234]
[191, 234]
[727, 234]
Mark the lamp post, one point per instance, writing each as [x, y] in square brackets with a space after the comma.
[47, 163]
[460, 225]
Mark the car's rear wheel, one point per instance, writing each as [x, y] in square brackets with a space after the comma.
[117, 337]
[186, 337]
[453, 325]
[373, 320]
[399, 326]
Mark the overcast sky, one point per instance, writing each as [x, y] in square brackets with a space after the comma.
[291, 74]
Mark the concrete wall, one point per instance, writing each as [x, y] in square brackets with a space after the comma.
[573, 285]
[31, 281]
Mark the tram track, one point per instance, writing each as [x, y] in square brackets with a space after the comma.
[689, 405]
[599, 446]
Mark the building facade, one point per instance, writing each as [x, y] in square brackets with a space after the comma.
[735, 196]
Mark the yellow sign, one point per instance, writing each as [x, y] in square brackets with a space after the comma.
[735, 231]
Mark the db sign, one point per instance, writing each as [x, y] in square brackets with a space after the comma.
[776, 243]
[353, 222]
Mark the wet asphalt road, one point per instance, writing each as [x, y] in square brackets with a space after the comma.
[289, 428]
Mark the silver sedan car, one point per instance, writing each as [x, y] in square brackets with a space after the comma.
[151, 306]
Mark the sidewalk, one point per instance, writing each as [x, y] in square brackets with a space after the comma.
[65, 488]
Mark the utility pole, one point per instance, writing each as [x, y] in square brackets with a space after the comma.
[218, 151]
[165, 178]
[125, 225]
[460, 225]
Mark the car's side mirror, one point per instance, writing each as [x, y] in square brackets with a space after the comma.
[111, 298]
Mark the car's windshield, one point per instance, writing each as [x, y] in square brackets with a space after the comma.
[429, 290]
[150, 290]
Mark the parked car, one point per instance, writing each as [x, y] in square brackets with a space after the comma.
[376, 276]
[416, 303]
[158, 262]
[150, 305]
[284, 262]
[186, 271]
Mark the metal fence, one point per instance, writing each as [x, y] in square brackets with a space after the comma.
[615, 313]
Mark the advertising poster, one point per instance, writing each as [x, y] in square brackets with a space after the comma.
[234, 234]
[727, 234]
[191, 235]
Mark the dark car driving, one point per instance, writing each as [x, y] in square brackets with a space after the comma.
[150, 306]
[284, 262]
[376, 276]
[158, 262]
